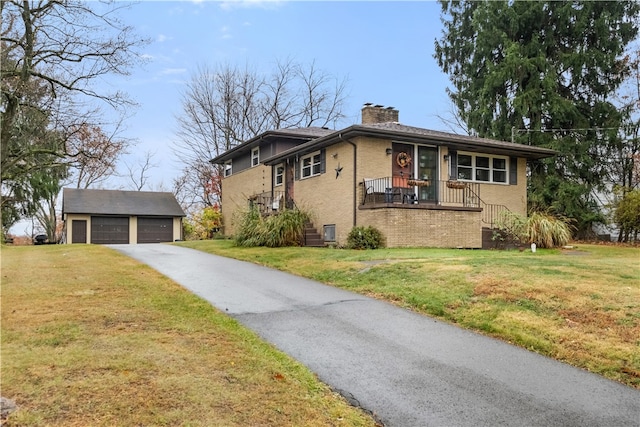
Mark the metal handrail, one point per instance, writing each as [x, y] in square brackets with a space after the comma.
[268, 202]
[389, 190]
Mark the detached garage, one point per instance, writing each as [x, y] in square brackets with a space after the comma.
[117, 217]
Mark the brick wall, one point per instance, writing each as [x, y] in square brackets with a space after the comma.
[379, 114]
[330, 196]
[416, 227]
[236, 190]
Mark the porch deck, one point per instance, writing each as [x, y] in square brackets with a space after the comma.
[390, 191]
[406, 193]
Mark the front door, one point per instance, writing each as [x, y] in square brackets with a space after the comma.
[402, 169]
[415, 170]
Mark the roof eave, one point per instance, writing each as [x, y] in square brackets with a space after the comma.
[254, 142]
[453, 141]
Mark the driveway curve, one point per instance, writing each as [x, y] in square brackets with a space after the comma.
[405, 368]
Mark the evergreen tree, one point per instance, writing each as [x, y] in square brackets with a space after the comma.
[542, 73]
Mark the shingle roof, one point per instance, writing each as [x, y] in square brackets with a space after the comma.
[392, 130]
[303, 134]
[312, 131]
[461, 141]
[117, 202]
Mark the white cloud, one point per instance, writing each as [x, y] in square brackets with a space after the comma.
[162, 38]
[225, 32]
[172, 71]
[245, 4]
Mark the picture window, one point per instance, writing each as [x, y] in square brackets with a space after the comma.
[482, 168]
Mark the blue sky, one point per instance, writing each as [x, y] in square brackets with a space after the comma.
[384, 50]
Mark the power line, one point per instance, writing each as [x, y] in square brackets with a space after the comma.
[514, 130]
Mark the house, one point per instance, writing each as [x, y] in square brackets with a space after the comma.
[419, 187]
[114, 216]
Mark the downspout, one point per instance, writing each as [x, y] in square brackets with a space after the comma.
[355, 176]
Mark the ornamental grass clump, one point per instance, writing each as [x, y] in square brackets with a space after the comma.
[285, 228]
[545, 230]
[548, 231]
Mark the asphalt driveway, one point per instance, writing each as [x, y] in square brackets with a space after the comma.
[407, 369]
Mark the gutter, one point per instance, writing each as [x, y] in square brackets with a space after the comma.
[458, 142]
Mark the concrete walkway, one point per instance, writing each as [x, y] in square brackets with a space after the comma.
[407, 369]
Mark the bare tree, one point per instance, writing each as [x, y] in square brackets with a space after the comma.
[224, 107]
[319, 103]
[96, 155]
[139, 174]
[52, 51]
[197, 187]
[453, 121]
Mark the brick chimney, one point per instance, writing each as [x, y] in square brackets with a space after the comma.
[378, 114]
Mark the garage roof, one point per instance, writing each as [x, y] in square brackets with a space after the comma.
[117, 202]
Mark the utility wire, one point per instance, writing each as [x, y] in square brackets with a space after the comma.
[514, 130]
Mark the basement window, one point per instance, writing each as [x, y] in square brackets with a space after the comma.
[329, 233]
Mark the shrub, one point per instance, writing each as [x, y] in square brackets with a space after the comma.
[627, 215]
[510, 228]
[365, 238]
[285, 228]
[188, 229]
[203, 224]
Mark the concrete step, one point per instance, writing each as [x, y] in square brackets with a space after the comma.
[312, 238]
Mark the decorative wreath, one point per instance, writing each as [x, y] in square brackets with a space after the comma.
[403, 159]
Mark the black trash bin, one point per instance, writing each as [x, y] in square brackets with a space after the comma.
[40, 239]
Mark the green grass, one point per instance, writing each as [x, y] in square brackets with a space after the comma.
[580, 306]
[90, 337]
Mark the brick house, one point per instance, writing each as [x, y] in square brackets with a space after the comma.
[417, 186]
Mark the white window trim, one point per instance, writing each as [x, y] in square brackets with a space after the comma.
[228, 168]
[311, 166]
[490, 169]
[276, 174]
[255, 157]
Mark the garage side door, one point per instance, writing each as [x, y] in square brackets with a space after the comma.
[155, 230]
[78, 231]
[109, 230]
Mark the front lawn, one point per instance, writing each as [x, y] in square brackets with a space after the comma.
[581, 306]
[91, 337]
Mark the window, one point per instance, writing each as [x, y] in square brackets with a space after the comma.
[255, 157]
[227, 168]
[278, 174]
[330, 233]
[311, 165]
[482, 168]
[465, 167]
[499, 170]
